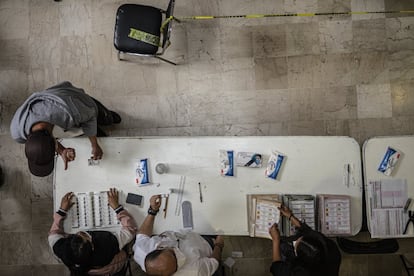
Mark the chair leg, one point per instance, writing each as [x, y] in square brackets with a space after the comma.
[165, 60]
[407, 267]
[155, 56]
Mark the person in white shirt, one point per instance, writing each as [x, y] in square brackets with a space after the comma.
[175, 253]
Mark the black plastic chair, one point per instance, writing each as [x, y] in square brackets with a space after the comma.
[142, 31]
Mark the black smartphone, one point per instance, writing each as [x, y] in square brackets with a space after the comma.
[134, 199]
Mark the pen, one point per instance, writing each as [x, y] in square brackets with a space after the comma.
[166, 205]
[201, 195]
[349, 174]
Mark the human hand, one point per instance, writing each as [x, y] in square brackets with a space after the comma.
[68, 155]
[155, 202]
[66, 202]
[219, 241]
[274, 232]
[113, 197]
[96, 152]
[285, 211]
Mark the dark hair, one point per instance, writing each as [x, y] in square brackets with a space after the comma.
[152, 256]
[154, 269]
[78, 255]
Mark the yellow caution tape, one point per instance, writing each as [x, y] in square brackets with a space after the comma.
[305, 14]
[255, 15]
[203, 17]
[166, 21]
[250, 16]
[144, 37]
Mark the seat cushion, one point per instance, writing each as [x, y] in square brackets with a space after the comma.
[143, 18]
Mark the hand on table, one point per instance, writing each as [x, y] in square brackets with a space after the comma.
[96, 152]
[66, 202]
[155, 202]
[113, 197]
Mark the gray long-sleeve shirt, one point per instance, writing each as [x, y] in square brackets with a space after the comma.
[63, 105]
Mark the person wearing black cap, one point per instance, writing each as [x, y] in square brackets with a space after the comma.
[92, 252]
[311, 253]
[66, 107]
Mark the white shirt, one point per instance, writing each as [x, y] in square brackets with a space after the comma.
[195, 248]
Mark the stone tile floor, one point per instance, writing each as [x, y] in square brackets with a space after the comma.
[347, 75]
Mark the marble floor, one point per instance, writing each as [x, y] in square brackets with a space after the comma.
[347, 75]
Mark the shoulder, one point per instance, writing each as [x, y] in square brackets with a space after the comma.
[61, 246]
[142, 238]
[145, 243]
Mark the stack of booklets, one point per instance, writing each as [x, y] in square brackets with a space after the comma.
[334, 212]
[91, 210]
[303, 207]
[387, 198]
[262, 212]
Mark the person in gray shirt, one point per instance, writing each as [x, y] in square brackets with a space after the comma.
[61, 105]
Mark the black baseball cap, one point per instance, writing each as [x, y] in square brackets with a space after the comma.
[40, 150]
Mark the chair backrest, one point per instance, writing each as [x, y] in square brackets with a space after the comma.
[167, 28]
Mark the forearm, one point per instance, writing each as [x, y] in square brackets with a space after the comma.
[147, 225]
[56, 231]
[276, 251]
[127, 221]
[217, 252]
[93, 140]
[129, 228]
[57, 225]
[294, 221]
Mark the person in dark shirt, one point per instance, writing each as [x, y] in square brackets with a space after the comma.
[307, 253]
[92, 252]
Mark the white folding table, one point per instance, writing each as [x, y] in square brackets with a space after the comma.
[313, 165]
[373, 153]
